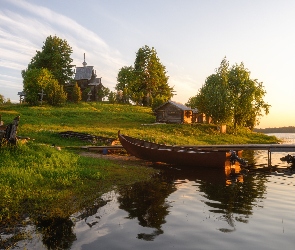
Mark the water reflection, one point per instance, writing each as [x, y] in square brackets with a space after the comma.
[234, 202]
[229, 192]
[57, 233]
[146, 201]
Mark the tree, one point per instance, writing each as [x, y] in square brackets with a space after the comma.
[56, 57]
[76, 94]
[246, 97]
[212, 97]
[34, 80]
[112, 97]
[2, 99]
[124, 80]
[146, 81]
[230, 95]
[103, 92]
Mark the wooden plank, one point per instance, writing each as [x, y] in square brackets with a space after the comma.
[236, 147]
[269, 147]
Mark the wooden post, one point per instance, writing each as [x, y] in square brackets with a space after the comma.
[21, 96]
[269, 157]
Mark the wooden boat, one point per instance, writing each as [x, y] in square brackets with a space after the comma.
[176, 155]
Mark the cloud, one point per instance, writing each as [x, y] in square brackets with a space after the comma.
[24, 28]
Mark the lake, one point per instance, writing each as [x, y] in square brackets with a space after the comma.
[181, 208]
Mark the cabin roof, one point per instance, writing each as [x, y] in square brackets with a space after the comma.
[83, 73]
[176, 104]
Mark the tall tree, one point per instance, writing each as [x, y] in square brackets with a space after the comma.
[147, 80]
[212, 97]
[56, 57]
[124, 82]
[230, 95]
[246, 97]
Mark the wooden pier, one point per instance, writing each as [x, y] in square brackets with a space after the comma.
[235, 147]
[240, 147]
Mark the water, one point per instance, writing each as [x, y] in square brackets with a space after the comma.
[187, 209]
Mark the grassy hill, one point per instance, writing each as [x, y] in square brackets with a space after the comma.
[44, 122]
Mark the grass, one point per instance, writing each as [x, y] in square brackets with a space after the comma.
[44, 122]
[36, 180]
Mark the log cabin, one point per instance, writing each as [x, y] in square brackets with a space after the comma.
[173, 112]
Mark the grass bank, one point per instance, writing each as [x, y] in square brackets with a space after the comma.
[44, 122]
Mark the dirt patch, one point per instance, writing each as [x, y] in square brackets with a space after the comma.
[126, 159]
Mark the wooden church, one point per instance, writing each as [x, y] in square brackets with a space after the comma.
[88, 81]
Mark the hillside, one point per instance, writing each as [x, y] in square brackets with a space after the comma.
[43, 123]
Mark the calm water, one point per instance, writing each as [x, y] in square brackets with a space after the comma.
[251, 208]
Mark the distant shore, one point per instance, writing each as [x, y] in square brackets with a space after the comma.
[290, 129]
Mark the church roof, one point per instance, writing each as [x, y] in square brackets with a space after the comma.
[83, 73]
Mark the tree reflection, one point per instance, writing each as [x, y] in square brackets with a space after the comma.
[235, 198]
[57, 233]
[146, 201]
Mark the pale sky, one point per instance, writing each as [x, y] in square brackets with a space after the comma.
[191, 38]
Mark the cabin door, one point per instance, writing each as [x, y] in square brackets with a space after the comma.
[161, 116]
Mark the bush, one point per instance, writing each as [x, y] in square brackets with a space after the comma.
[55, 93]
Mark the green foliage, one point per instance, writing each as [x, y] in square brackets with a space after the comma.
[48, 69]
[34, 81]
[103, 92]
[76, 94]
[112, 97]
[2, 99]
[55, 94]
[146, 81]
[56, 57]
[230, 95]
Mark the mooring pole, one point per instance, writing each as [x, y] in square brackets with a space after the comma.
[269, 157]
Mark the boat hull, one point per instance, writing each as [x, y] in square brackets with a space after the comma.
[176, 155]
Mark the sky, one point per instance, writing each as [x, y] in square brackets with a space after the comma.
[191, 38]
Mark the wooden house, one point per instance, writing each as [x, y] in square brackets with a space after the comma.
[173, 112]
[86, 79]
